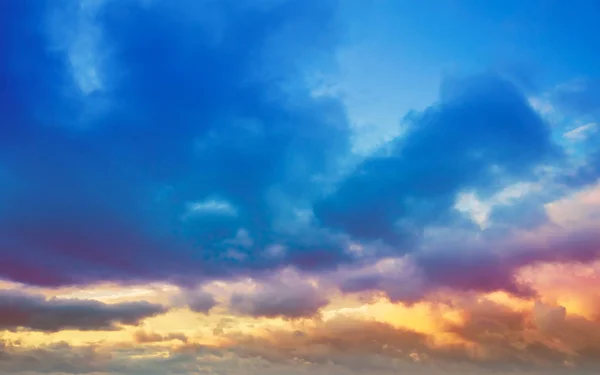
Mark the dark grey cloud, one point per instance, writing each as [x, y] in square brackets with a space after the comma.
[34, 312]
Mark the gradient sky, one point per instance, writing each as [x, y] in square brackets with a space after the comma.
[293, 187]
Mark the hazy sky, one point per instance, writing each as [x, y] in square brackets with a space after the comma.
[292, 187]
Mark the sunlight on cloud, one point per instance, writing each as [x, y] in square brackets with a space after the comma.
[571, 285]
[580, 208]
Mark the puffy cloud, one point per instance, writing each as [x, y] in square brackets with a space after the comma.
[299, 300]
[484, 266]
[19, 310]
[208, 129]
[197, 300]
[399, 278]
[481, 135]
[487, 262]
[241, 169]
[579, 335]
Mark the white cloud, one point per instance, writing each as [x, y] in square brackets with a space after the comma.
[479, 210]
[542, 105]
[210, 207]
[577, 210]
[242, 239]
[581, 132]
[75, 33]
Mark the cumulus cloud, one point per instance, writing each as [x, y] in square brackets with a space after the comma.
[197, 175]
[196, 112]
[34, 312]
[196, 300]
[484, 266]
[299, 300]
[566, 232]
[578, 333]
[482, 134]
[399, 278]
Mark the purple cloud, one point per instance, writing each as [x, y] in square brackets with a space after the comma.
[34, 312]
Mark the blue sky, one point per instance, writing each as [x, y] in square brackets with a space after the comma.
[539, 41]
[398, 151]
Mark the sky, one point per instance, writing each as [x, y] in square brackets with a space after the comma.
[341, 187]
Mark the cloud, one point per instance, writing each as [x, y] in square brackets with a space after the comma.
[563, 231]
[335, 340]
[61, 358]
[57, 358]
[579, 334]
[145, 337]
[497, 339]
[196, 300]
[75, 33]
[483, 265]
[581, 132]
[491, 339]
[481, 135]
[195, 111]
[299, 300]
[211, 163]
[578, 99]
[210, 207]
[33, 312]
[508, 338]
[399, 278]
